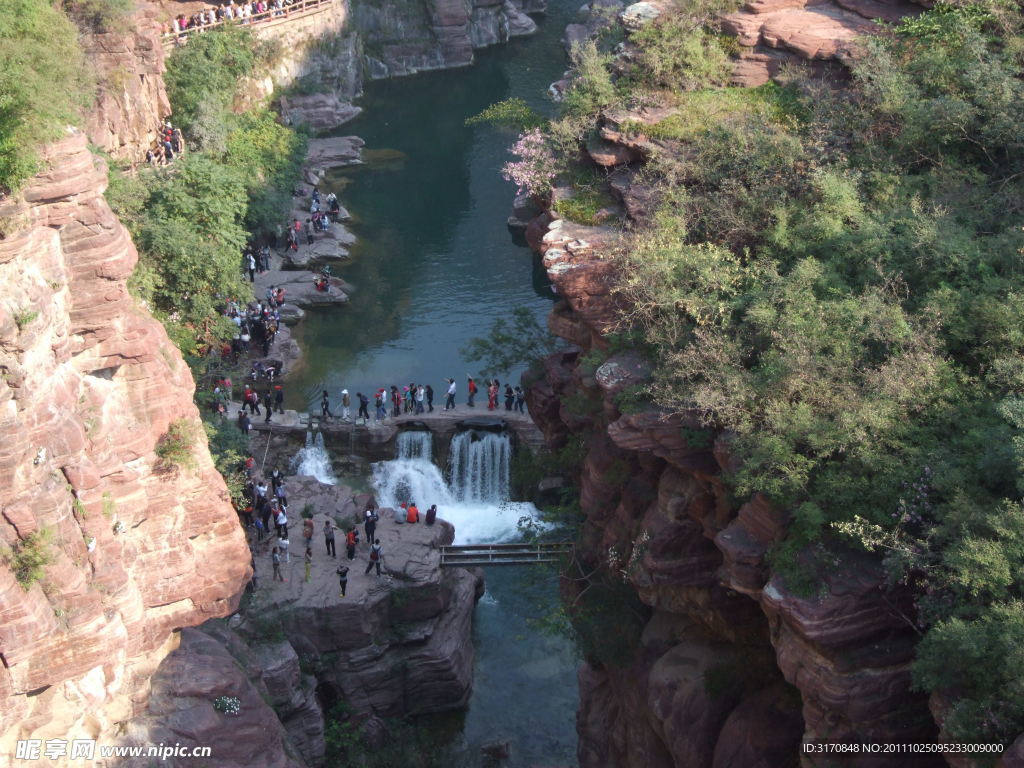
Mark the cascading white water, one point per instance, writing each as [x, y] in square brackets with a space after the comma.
[480, 467]
[416, 444]
[313, 460]
[476, 502]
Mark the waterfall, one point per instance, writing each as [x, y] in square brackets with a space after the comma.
[416, 444]
[480, 467]
[313, 460]
[475, 501]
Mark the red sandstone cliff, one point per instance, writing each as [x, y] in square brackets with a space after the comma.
[89, 383]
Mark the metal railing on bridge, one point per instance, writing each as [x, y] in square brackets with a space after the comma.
[271, 17]
[471, 555]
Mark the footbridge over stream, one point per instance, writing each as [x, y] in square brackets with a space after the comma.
[474, 555]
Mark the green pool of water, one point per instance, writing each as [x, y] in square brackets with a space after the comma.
[435, 264]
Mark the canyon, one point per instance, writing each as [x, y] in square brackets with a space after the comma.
[730, 667]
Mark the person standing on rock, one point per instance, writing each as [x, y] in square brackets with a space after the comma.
[282, 493]
[329, 538]
[351, 539]
[325, 407]
[282, 523]
[396, 400]
[279, 399]
[520, 400]
[429, 393]
[285, 546]
[371, 517]
[510, 397]
[309, 231]
[376, 555]
[268, 403]
[342, 579]
[419, 400]
[308, 560]
[471, 389]
[275, 558]
[307, 531]
[243, 423]
[346, 401]
[364, 401]
[250, 263]
[449, 403]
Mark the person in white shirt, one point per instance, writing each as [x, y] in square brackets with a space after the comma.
[449, 403]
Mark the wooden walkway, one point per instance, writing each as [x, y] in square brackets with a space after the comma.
[472, 555]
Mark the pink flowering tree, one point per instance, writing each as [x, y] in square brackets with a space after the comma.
[536, 166]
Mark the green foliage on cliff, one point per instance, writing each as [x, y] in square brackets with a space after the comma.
[43, 85]
[100, 15]
[192, 219]
[204, 76]
[29, 557]
[836, 278]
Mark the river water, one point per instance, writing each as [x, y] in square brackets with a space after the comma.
[435, 265]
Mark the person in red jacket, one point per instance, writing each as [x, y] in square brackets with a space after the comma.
[412, 514]
[351, 539]
[471, 388]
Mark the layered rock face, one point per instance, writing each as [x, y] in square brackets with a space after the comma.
[136, 547]
[131, 100]
[732, 668]
[818, 33]
[401, 38]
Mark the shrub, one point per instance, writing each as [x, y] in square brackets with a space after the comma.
[673, 53]
[175, 447]
[101, 15]
[43, 85]
[513, 113]
[30, 556]
[591, 89]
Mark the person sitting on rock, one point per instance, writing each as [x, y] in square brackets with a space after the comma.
[431, 514]
[413, 513]
[401, 513]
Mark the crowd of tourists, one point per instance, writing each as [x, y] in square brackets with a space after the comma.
[169, 144]
[265, 517]
[416, 399]
[241, 12]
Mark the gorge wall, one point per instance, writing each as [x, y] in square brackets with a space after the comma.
[327, 55]
[133, 546]
[732, 667]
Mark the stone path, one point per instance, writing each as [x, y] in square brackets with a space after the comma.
[440, 422]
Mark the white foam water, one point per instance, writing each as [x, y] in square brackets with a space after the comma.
[313, 460]
[476, 502]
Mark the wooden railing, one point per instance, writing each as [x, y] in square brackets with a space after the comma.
[295, 10]
[470, 555]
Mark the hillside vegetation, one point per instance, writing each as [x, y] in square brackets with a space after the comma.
[834, 275]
